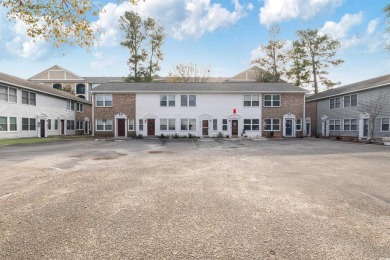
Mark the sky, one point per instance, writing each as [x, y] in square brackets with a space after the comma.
[221, 34]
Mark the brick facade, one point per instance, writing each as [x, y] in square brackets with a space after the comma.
[80, 116]
[290, 103]
[121, 104]
[311, 111]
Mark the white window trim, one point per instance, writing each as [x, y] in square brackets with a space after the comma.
[104, 125]
[258, 100]
[296, 124]
[272, 124]
[188, 125]
[80, 105]
[14, 102]
[188, 100]
[334, 124]
[272, 100]
[215, 130]
[350, 124]
[334, 98]
[385, 131]
[104, 100]
[131, 120]
[251, 124]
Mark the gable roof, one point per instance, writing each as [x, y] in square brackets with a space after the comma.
[10, 80]
[101, 80]
[351, 88]
[209, 87]
[55, 67]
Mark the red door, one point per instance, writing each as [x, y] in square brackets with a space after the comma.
[234, 127]
[121, 127]
[151, 127]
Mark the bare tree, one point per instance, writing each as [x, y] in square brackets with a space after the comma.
[372, 108]
[189, 73]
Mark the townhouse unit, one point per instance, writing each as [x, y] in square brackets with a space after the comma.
[59, 78]
[28, 109]
[345, 111]
[200, 109]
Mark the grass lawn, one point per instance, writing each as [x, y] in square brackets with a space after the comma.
[35, 140]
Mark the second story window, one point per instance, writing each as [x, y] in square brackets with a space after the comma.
[334, 103]
[272, 100]
[8, 94]
[350, 100]
[167, 100]
[80, 89]
[251, 100]
[28, 98]
[70, 105]
[104, 100]
[80, 107]
[188, 100]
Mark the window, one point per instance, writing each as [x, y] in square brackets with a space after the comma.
[131, 124]
[28, 98]
[272, 100]
[188, 124]
[69, 124]
[57, 86]
[271, 124]
[334, 103]
[350, 100]
[335, 125]
[385, 125]
[28, 124]
[215, 124]
[79, 125]
[172, 124]
[224, 125]
[251, 100]
[48, 124]
[163, 124]
[8, 94]
[350, 124]
[3, 124]
[103, 125]
[298, 125]
[80, 107]
[188, 100]
[167, 100]
[80, 89]
[251, 124]
[141, 125]
[70, 105]
[104, 100]
[56, 124]
[13, 125]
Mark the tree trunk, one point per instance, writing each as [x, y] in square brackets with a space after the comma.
[314, 75]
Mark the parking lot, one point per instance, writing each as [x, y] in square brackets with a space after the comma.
[184, 199]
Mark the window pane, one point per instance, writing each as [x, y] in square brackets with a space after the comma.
[267, 97]
[131, 124]
[163, 101]
[255, 121]
[32, 99]
[267, 103]
[3, 93]
[247, 127]
[275, 121]
[183, 100]
[267, 121]
[276, 103]
[183, 124]
[3, 124]
[32, 124]
[25, 124]
[255, 98]
[163, 124]
[192, 100]
[12, 95]
[141, 124]
[354, 100]
[215, 124]
[247, 103]
[192, 124]
[247, 121]
[276, 97]
[24, 97]
[172, 124]
[347, 101]
[13, 124]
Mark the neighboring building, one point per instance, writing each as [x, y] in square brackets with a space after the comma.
[200, 109]
[338, 112]
[59, 78]
[28, 109]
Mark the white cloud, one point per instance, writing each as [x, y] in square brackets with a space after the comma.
[102, 61]
[181, 19]
[275, 11]
[15, 42]
[371, 28]
[341, 29]
[249, 6]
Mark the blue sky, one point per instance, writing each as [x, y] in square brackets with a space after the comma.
[222, 34]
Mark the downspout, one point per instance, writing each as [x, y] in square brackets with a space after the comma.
[304, 116]
[93, 115]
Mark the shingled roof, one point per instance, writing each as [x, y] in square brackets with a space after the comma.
[210, 87]
[10, 80]
[351, 88]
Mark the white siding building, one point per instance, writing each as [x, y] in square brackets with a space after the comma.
[32, 110]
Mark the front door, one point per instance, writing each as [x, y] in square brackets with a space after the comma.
[205, 127]
[86, 128]
[365, 127]
[42, 128]
[308, 130]
[62, 127]
[325, 129]
[151, 127]
[234, 127]
[289, 130]
[121, 127]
